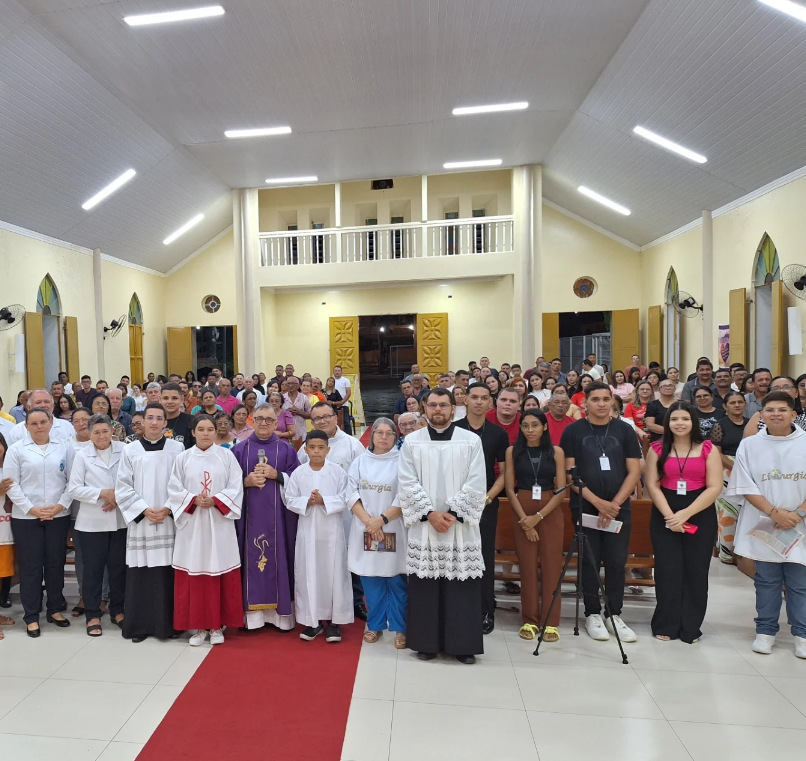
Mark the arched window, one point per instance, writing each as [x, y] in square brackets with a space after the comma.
[135, 311]
[768, 307]
[767, 269]
[671, 286]
[672, 322]
[47, 298]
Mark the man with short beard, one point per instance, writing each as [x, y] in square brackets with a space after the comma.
[506, 414]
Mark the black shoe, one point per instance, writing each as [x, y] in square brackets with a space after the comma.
[5, 602]
[61, 623]
[512, 588]
[487, 623]
[360, 611]
[333, 633]
[426, 656]
[468, 659]
[33, 632]
[140, 639]
[311, 632]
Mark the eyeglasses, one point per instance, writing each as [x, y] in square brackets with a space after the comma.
[321, 418]
[787, 387]
[385, 433]
[702, 396]
[432, 406]
[265, 420]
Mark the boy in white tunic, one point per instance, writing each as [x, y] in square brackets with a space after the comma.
[322, 591]
[205, 495]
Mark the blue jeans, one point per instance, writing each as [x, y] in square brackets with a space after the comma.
[387, 598]
[769, 579]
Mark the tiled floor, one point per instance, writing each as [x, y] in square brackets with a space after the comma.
[69, 697]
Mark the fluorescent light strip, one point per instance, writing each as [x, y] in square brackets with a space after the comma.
[796, 10]
[182, 230]
[604, 201]
[465, 164]
[669, 145]
[290, 180]
[464, 110]
[258, 132]
[108, 190]
[170, 16]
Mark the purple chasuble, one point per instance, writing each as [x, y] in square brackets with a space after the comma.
[267, 532]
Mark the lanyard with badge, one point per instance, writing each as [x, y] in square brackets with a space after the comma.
[681, 482]
[604, 460]
[537, 491]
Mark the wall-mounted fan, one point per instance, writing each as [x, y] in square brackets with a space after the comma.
[794, 277]
[115, 327]
[686, 304]
[11, 315]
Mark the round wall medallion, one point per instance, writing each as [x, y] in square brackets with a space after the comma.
[584, 287]
[211, 304]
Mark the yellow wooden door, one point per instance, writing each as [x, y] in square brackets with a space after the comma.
[655, 335]
[136, 354]
[180, 350]
[737, 316]
[34, 351]
[432, 345]
[344, 344]
[778, 327]
[625, 337]
[551, 336]
[235, 364]
[71, 347]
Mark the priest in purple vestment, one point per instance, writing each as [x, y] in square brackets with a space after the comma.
[267, 532]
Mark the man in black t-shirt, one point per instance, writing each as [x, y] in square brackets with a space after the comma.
[608, 457]
[177, 426]
[494, 442]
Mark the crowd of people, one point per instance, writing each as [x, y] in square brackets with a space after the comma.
[197, 505]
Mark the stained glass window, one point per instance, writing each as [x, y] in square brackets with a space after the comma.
[135, 311]
[671, 285]
[47, 298]
[768, 269]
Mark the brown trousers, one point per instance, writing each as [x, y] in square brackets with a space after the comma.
[548, 552]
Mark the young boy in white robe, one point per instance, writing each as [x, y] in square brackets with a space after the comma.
[322, 588]
[205, 495]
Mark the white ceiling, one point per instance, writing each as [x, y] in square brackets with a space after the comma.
[368, 87]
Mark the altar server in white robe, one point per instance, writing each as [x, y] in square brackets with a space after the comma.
[205, 495]
[442, 486]
[322, 592]
[376, 549]
[142, 496]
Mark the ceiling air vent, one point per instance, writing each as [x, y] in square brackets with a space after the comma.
[211, 304]
[382, 184]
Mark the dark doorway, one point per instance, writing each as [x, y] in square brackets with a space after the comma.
[583, 333]
[215, 347]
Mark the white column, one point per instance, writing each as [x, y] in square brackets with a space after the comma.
[337, 193]
[523, 234]
[708, 287]
[99, 311]
[237, 235]
[537, 260]
[250, 245]
[424, 215]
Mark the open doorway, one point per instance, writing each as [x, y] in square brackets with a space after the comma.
[583, 333]
[214, 347]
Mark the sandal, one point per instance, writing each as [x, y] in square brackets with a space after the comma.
[528, 631]
[77, 611]
[663, 638]
[372, 637]
[400, 641]
[95, 630]
[551, 634]
[6, 621]
[118, 621]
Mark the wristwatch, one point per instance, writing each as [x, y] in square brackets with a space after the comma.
[801, 512]
[488, 500]
[384, 519]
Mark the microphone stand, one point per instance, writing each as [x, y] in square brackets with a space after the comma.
[580, 545]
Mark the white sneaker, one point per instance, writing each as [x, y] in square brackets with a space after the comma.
[625, 634]
[800, 647]
[763, 643]
[198, 638]
[216, 637]
[596, 628]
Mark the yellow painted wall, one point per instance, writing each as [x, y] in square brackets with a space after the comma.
[280, 207]
[358, 201]
[465, 191]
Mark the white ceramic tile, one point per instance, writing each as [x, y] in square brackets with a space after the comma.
[117, 660]
[81, 710]
[706, 742]
[184, 667]
[446, 681]
[735, 620]
[148, 715]
[375, 677]
[117, 751]
[569, 651]
[579, 690]
[721, 699]
[369, 729]
[794, 690]
[37, 658]
[781, 662]
[423, 732]
[32, 748]
[13, 689]
[560, 737]
[495, 647]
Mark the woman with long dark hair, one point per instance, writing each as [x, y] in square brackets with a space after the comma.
[65, 408]
[683, 477]
[534, 469]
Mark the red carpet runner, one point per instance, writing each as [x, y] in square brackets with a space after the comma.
[263, 695]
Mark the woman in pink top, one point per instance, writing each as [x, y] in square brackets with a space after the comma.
[620, 386]
[683, 478]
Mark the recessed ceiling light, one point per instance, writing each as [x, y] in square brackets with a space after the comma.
[604, 201]
[796, 10]
[144, 19]
[464, 164]
[291, 180]
[108, 190]
[669, 145]
[464, 110]
[258, 132]
[182, 230]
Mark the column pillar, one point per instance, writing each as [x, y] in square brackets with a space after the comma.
[708, 287]
[424, 214]
[537, 261]
[237, 236]
[249, 225]
[99, 311]
[337, 195]
[523, 241]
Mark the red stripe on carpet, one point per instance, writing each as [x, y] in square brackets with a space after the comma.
[263, 694]
[365, 437]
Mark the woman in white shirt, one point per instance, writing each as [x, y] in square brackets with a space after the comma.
[376, 549]
[39, 468]
[536, 389]
[100, 525]
[139, 397]
[459, 395]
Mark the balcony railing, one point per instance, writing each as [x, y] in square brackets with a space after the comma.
[449, 237]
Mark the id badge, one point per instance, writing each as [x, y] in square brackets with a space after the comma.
[681, 487]
[604, 463]
[537, 492]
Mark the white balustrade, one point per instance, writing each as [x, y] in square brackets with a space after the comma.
[298, 247]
